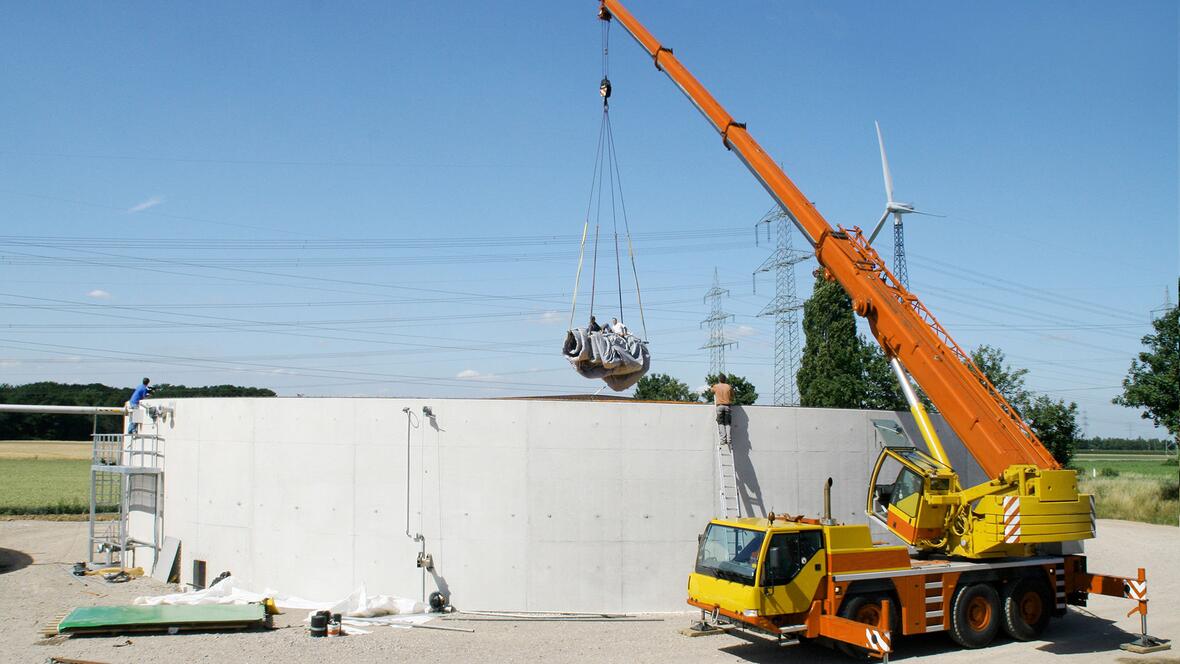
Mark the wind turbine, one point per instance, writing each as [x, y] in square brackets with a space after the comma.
[896, 209]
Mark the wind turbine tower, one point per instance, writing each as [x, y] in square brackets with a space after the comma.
[895, 209]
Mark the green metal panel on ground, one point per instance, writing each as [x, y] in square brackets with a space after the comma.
[115, 618]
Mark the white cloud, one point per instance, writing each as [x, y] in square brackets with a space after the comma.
[99, 294]
[146, 205]
[551, 318]
[472, 374]
[9, 363]
[742, 331]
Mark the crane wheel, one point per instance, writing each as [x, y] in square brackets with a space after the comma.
[1027, 605]
[975, 615]
[867, 609]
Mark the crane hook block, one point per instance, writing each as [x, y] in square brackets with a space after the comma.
[604, 88]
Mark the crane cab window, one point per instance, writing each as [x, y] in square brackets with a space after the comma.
[788, 554]
[730, 553]
[896, 485]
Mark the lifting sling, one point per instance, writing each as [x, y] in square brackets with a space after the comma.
[616, 356]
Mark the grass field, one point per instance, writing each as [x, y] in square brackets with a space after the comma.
[1135, 487]
[38, 449]
[1125, 464]
[44, 486]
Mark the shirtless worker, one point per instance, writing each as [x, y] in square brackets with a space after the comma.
[723, 398]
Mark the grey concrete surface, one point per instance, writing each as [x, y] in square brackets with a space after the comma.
[525, 504]
[35, 586]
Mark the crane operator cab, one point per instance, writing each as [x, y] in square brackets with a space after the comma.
[1024, 511]
[903, 483]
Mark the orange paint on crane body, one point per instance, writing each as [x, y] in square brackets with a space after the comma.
[985, 422]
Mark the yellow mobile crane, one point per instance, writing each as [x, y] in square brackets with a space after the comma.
[1000, 554]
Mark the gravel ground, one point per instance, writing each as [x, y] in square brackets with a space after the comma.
[35, 586]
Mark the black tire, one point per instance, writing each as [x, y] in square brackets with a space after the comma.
[975, 615]
[1027, 608]
[866, 609]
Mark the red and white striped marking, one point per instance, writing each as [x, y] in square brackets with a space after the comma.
[877, 640]
[1136, 590]
[1011, 519]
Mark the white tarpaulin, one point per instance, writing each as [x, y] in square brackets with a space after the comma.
[368, 609]
[620, 361]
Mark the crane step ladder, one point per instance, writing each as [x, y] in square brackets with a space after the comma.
[726, 476]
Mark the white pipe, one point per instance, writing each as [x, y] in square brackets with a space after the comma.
[62, 410]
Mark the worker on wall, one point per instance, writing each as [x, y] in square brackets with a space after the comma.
[723, 398]
[138, 395]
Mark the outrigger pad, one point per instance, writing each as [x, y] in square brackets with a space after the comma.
[619, 361]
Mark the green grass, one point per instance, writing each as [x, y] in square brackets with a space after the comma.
[1134, 487]
[1125, 464]
[44, 486]
[1134, 498]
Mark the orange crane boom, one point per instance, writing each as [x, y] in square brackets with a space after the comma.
[986, 423]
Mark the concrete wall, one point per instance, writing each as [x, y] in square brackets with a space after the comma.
[524, 504]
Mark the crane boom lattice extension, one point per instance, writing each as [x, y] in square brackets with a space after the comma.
[784, 307]
[718, 342]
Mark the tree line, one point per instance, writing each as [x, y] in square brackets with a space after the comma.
[43, 426]
[1099, 443]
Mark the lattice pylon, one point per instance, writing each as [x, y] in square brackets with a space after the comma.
[899, 266]
[785, 307]
[718, 342]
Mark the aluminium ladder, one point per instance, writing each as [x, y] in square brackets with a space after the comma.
[726, 476]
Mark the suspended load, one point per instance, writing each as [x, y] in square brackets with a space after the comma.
[619, 360]
[610, 353]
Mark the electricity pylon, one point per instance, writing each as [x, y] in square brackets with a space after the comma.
[784, 307]
[716, 322]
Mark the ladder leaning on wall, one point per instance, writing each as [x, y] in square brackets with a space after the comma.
[726, 475]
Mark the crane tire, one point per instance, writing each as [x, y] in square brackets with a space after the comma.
[975, 615]
[866, 608]
[1027, 608]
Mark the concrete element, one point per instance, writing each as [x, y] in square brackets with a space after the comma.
[524, 504]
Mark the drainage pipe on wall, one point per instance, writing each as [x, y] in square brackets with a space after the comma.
[417, 537]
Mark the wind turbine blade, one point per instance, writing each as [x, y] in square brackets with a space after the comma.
[928, 214]
[884, 164]
[879, 226]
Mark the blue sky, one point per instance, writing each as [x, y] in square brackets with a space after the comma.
[385, 198]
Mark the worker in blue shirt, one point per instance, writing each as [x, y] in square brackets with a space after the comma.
[139, 394]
